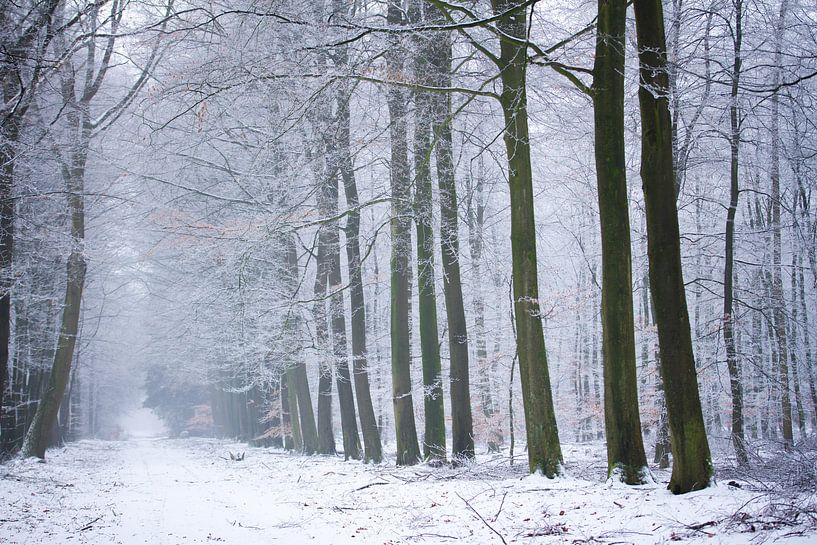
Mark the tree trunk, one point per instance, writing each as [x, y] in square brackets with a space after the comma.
[296, 370]
[79, 125]
[289, 426]
[326, 435]
[809, 362]
[795, 371]
[625, 448]
[462, 428]
[36, 440]
[476, 226]
[348, 419]
[408, 450]
[778, 299]
[663, 446]
[544, 451]
[8, 141]
[692, 465]
[735, 381]
[368, 423]
[23, 43]
[433, 398]
[346, 399]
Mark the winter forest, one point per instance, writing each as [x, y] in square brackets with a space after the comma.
[408, 271]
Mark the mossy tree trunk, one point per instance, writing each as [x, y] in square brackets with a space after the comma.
[433, 399]
[462, 428]
[297, 378]
[544, 451]
[346, 399]
[373, 450]
[625, 448]
[408, 449]
[692, 465]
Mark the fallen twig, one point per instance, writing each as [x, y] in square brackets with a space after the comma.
[90, 524]
[500, 507]
[485, 522]
[701, 525]
[440, 536]
[368, 485]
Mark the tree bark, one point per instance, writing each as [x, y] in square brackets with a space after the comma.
[795, 371]
[809, 362]
[476, 226]
[326, 435]
[462, 428]
[778, 299]
[408, 450]
[290, 428]
[433, 399]
[37, 437]
[7, 158]
[692, 465]
[79, 126]
[732, 363]
[296, 370]
[368, 423]
[544, 451]
[346, 400]
[23, 44]
[625, 448]
[373, 450]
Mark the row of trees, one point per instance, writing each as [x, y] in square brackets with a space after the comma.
[229, 133]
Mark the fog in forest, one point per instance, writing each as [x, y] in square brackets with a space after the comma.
[499, 248]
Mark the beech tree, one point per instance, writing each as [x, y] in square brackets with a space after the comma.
[544, 451]
[692, 464]
[434, 437]
[408, 450]
[462, 428]
[625, 449]
[360, 359]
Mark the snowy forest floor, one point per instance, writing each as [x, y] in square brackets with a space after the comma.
[175, 491]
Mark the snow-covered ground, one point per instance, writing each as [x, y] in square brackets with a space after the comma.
[162, 491]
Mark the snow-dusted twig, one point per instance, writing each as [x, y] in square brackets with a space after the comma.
[485, 522]
[439, 536]
[90, 524]
[501, 504]
[369, 485]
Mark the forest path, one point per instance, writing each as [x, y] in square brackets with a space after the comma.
[179, 491]
[158, 492]
[169, 492]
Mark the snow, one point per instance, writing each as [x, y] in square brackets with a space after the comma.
[174, 491]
